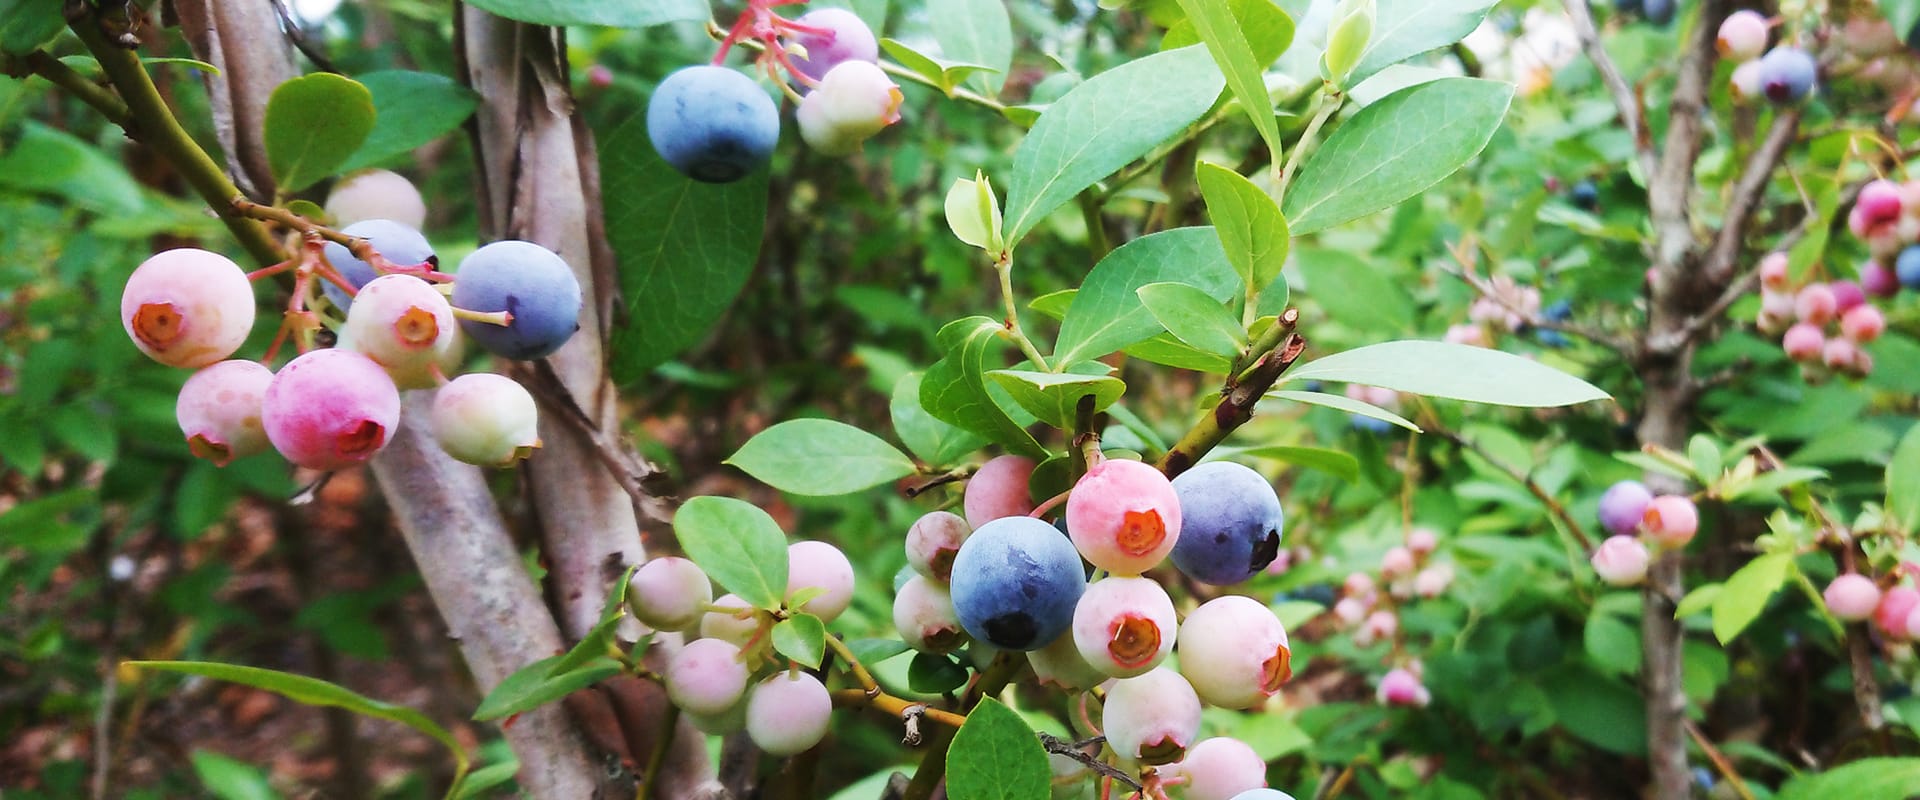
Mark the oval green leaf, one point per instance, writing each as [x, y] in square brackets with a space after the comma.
[1746, 594]
[802, 638]
[1226, 40]
[1251, 228]
[411, 109]
[935, 442]
[538, 684]
[1403, 29]
[995, 756]
[1053, 397]
[1194, 317]
[955, 389]
[975, 32]
[314, 124]
[1454, 371]
[1107, 315]
[738, 545]
[820, 457]
[1341, 402]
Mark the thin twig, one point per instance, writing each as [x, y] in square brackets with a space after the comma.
[1533, 487]
[59, 74]
[1720, 761]
[1625, 101]
[1061, 747]
[1463, 254]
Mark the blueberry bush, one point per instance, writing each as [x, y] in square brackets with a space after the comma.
[1170, 399]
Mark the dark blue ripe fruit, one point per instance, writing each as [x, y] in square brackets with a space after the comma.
[1585, 195]
[1230, 523]
[1787, 74]
[1658, 12]
[528, 281]
[1016, 581]
[398, 244]
[712, 124]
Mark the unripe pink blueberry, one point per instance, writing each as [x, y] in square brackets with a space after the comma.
[818, 565]
[1234, 652]
[1402, 688]
[1847, 295]
[1263, 794]
[852, 103]
[1350, 610]
[706, 677]
[1378, 626]
[727, 626]
[1467, 333]
[1840, 354]
[1878, 280]
[1852, 597]
[669, 593]
[1124, 516]
[933, 541]
[1776, 304]
[1124, 626]
[1433, 581]
[1895, 606]
[1152, 718]
[998, 489]
[1060, 665]
[788, 713]
[376, 194]
[1422, 541]
[1621, 560]
[1745, 80]
[1879, 205]
[485, 419]
[1219, 768]
[1624, 506]
[1913, 624]
[330, 409]
[1398, 562]
[1743, 35]
[404, 325]
[1863, 324]
[924, 616]
[219, 410]
[1672, 520]
[1815, 304]
[187, 307]
[1803, 342]
[1357, 584]
[1773, 271]
[844, 37]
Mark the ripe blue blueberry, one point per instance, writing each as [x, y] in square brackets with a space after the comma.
[1787, 74]
[1016, 581]
[1230, 523]
[399, 244]
[1369, 424]
[1585, 195]
[525, 280]
[1558, 311]
[1907, 267]
[1659, 12]
[712, 124]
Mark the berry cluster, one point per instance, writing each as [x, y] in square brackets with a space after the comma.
[1634, 516]
[1810, 315]
[397, 321]
[730, 679]
[1895, 611]
[716, 125]
[1408, 571]
[1784, 75]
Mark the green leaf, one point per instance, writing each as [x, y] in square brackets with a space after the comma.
[231, 779]
[1903, 484]
[1194, 317]
[1107, 314]
[26, 25]
[1102, 125]
[933, 674]
[1612, 644]
[488, 777]
[1706, 457]
[1456, 371]
[1250, 226]
[874, 651]
[1394, 149]
[1354, 292]
[536, 684]
[995, 756]
[1599, 710]
[955, 388]
[610, 13]
[1901, 14]
[1333, 462]
[1881, 778]
[315, 692]
[943, 73]
[801, 637]
[1767, 485]
[411, 109]
[1700, 599]
[820, 458]
[975, 32]
[1266, 27]
[1245, 74]
[50, 160]
[973, 213]
[1344, 403]
[1403, 29]
[1166, 350]
[594, 645]
[686, 248]
[935, 442]
[314, 124]
[738, 545]
[1746, 593]
[1055, 397]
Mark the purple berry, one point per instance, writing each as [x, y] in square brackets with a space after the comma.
[1787, 74]
[844, 37]
[1230, 523]
[1015, 583]
[527, 281]
[1623, 505]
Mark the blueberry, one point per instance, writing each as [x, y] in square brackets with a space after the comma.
[712, 124]
[1787, 74]
[1559, 311]
[525, 280]
[1553, 339]
[1623, 506]
[1369, 424]
[1585, 195]
[1016, 581]
[1658, 12]
[1628, 6]
[1907, 267]
[1704, 777]
[1321, 593]
[1230, 523]
[397, 243]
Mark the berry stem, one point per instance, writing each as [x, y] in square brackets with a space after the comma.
[1330, 103]
[868, 685]
[501, 318]
[662, 742]
[896, 706]
[1004, 267]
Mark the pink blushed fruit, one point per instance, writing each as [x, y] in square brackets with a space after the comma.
[1402, 688]
[187, 307]
[788, 713]
[852, 103]
[1433, 581]
[1879, 205]
[998, 489]
[1863, 324]
[219, 410]
[1398, 562]
[1878, 280]
[1773, 271]
[1350, 610]
[1895, 606]
[1153, 718]
[1672, 520]
[1124, 516]
[1847, 296]
[1803, 342]
[1124, 626]
[1422, 541]
[1621, 560]
[330, 409]
[1623, 506]
[1816, 304]
[404, 325]
[1743, 35]
[669, 593]
[1357, 584]
[924, 617]
[843, 37]
[1220, 769]
[706, 677]
[933, 541]
[1234, 652]
[1378, 626]
[818, 565]
[1852, 597]
[1840, 355]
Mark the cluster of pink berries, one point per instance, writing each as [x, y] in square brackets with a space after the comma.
[729, 679]
[1506, 308]
[1854, 597]
[1634, 517]
[333, 408]
[1812, 315]
[1408, 571]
